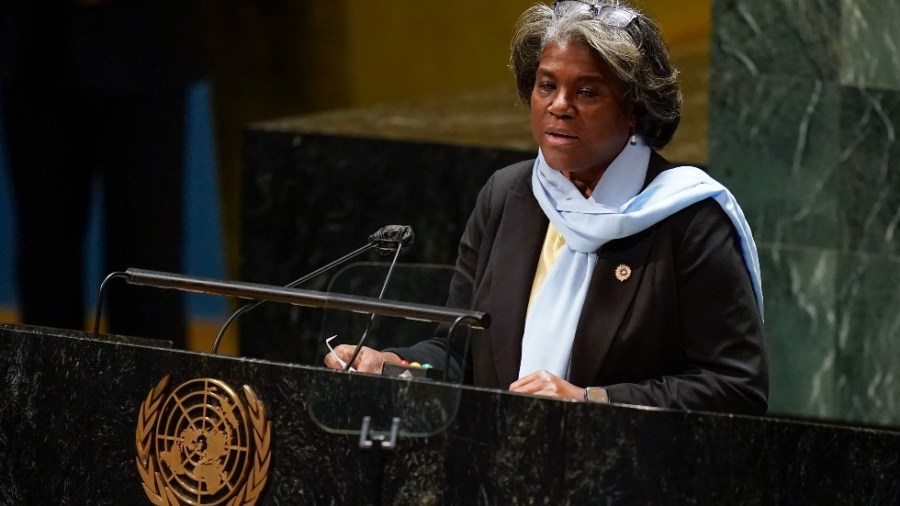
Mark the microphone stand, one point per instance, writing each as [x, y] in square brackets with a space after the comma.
[252, 305]
[365, 333]
[448, 347]
[383, 239]
[99, 307]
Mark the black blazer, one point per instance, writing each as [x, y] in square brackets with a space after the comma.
[683, 331]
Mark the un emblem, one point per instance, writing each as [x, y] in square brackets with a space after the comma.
[200, 445]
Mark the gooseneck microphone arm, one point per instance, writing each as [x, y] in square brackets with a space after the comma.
[252, 305]
[371, 319]
[448, 349]
[385, 239]
[99, 308]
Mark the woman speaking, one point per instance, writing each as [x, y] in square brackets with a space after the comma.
[610, 274]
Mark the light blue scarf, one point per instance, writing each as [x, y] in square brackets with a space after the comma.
[588, 224]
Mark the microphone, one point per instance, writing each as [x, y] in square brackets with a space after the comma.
[392, 237]
[385, 239]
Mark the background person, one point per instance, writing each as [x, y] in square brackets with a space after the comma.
[96, 89]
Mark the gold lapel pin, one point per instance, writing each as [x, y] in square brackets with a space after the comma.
[623, 272]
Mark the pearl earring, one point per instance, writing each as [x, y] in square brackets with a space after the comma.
[633, 139]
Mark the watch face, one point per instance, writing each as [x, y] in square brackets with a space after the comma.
[596, 394]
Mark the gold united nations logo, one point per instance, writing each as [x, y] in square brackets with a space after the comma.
[200, 445]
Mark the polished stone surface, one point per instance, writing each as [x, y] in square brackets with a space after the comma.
[491, 118]
[804, 113]
[495, 119]
[69, 415]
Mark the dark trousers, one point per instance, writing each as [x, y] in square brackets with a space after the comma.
[59, 139]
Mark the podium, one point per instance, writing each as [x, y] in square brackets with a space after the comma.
[76, 413]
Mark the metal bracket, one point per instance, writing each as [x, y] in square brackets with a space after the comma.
[367, 439]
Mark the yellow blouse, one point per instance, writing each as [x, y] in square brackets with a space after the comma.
[553, 243]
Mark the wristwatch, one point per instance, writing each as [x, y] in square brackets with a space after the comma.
[595, 394]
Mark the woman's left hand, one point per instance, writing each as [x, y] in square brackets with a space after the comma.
[547, 384]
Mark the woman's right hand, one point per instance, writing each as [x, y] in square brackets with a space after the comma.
[369, 360]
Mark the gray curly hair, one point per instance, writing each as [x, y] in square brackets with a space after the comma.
[627, 39]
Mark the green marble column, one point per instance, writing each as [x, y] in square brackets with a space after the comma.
[804, 118]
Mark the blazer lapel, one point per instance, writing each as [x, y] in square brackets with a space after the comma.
[514, 259]
[608, 297]
[619, 272]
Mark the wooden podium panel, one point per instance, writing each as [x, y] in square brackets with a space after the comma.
[73, 406]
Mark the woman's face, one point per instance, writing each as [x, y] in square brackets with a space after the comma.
[578, 112]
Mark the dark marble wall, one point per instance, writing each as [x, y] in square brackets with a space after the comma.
[310, 198]
[69, 415]
[804, 113]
